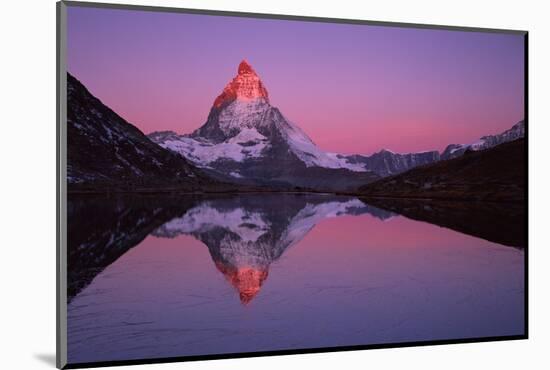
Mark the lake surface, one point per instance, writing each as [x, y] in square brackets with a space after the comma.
[154, 277]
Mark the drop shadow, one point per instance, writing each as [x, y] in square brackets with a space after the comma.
[46, 358]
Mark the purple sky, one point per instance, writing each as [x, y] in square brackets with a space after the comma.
[351, 88]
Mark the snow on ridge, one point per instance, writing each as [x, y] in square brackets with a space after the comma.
[248, 143]
[517, 131]
[312, 155]
[245, 118]
[241, 114]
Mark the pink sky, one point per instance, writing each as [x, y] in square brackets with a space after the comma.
[351, 88]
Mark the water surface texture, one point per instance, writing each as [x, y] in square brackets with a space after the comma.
[154, 277]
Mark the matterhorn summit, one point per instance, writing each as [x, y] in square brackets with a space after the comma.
[245, 86]
[238, 111]
[246, 139]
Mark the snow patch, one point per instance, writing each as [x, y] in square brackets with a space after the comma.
[241, 115]
[312, 155]
[203, 152]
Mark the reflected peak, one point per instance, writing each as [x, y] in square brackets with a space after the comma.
[244, 235]
[246, 280]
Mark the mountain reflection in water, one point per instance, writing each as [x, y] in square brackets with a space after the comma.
[244, 234]
[164, 276]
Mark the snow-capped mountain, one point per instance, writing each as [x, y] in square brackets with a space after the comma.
[105, 151]
[386, 162]
[247, 139]
[456, 150]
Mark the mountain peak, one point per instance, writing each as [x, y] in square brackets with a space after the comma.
[246, 280]
[245, 86]
[245, 67]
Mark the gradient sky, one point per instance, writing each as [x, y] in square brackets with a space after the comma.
[351, 88]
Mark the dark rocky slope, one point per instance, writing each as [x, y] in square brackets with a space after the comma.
[104, 152]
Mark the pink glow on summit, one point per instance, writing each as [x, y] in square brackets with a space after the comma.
[245, 86]
[351, 88]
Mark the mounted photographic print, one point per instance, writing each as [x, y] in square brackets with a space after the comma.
[235, 184]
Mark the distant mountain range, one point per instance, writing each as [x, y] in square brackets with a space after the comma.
[456, 150]
[245, 143]
[494, 174]
[246, 139]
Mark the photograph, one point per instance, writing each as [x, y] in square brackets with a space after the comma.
[247, 184]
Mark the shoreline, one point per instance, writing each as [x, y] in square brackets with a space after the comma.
[157, 192]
